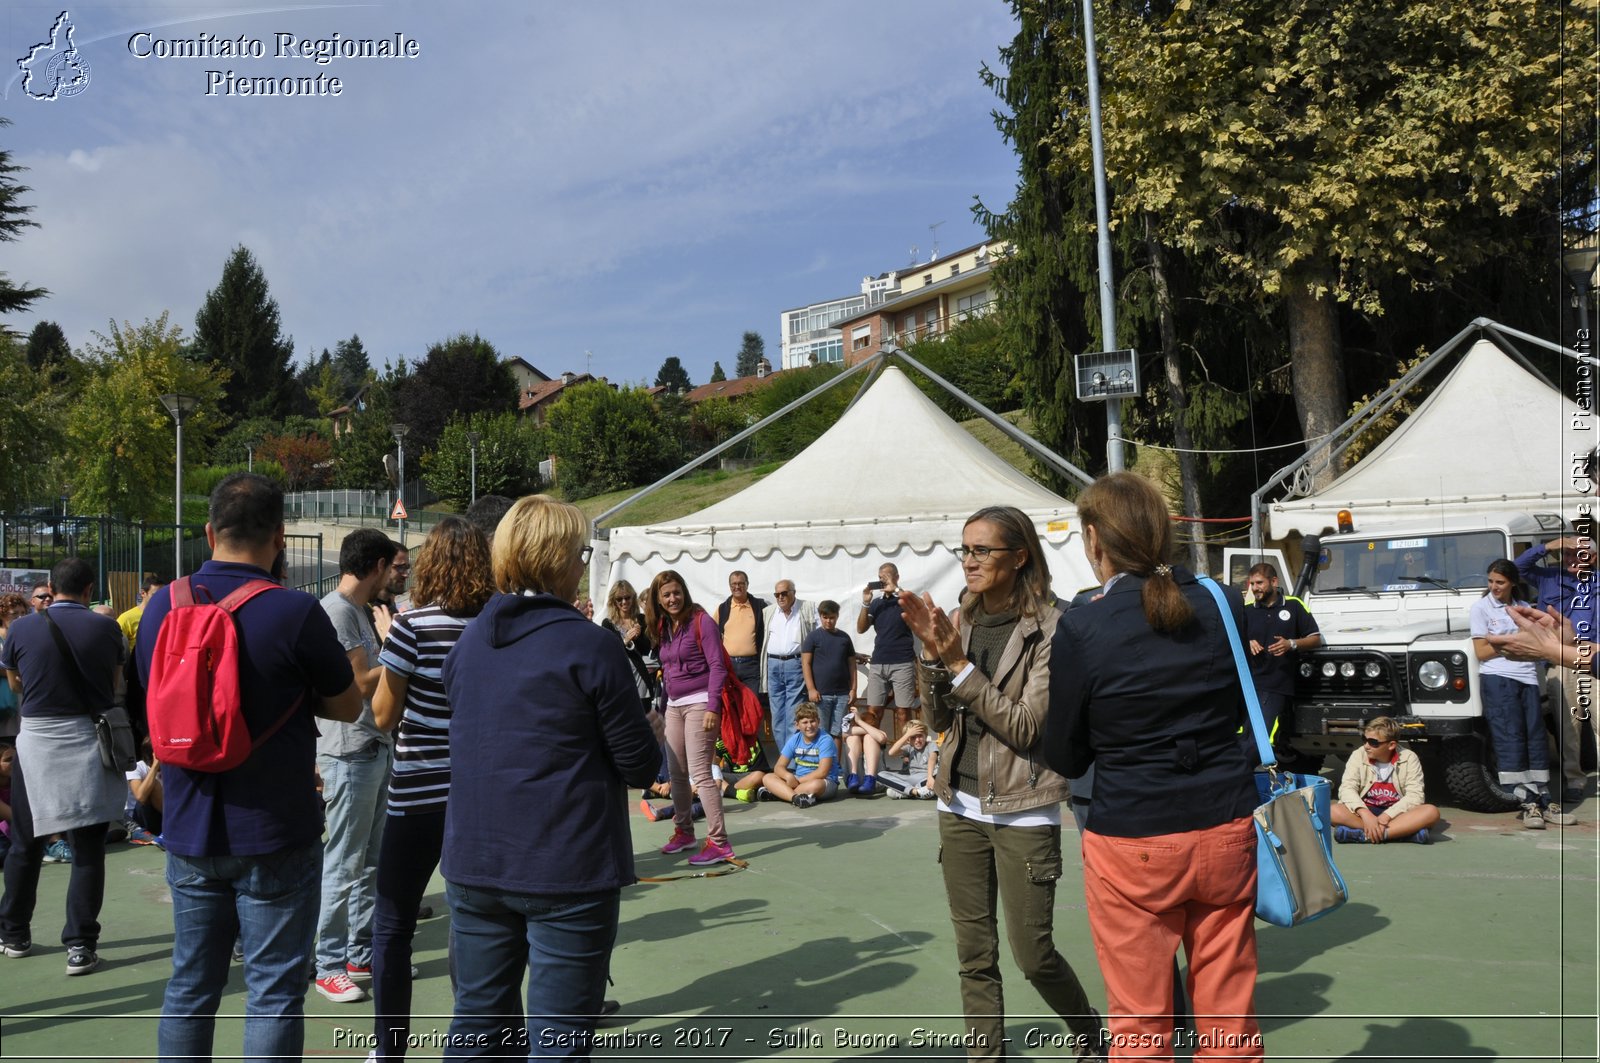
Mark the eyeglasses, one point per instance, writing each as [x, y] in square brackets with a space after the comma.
[619, 599]
[585, 554]
[42, 598]
[402, 567]
[783, 594]
[980, 552]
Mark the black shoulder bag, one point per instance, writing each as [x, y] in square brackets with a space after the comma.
[112, 730]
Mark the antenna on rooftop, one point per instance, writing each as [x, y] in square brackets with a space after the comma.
[588, 362]
[933, 231]
[913, 255]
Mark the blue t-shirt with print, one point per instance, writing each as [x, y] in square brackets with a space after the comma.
[805, 757]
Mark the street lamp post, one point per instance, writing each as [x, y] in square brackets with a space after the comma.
[472, 442]
[250, 455]
[1102, 213]
[399, 431]
[180, 406]
[1579, 265]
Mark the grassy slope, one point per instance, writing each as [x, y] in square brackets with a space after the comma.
[699, 490]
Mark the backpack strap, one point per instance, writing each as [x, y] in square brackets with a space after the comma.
[234, 601]
[181, 592]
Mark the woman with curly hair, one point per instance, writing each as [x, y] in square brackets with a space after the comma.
[453, 579]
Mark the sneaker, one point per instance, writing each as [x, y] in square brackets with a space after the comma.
[359, 972]
[160, 842]
[116, 832]
[238, 952]
[1572, 795]
[137, 835]
[1092, 1046]
[1422, 837]
[646, 809]
[338, 988]
[58, 852]
[925, 794]
[1348, 835]
[680, 840]
[899, 795]
[16, 949]
[747, 796]
[764, 794]
[1552, 814]
[869, 785]
[1532, 817]
[81, 959]
[712, 854]
[804, 800]
[852, 781]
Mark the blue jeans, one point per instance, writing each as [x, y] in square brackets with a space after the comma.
[354, 788]
[561, 942]
[786, 688]
[270, 904]
[830, 712]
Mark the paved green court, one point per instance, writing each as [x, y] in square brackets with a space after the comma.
[835, 944]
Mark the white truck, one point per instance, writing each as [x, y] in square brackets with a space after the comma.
[1392, 603]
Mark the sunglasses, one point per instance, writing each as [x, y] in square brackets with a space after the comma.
[1378, 741]
[43, 598]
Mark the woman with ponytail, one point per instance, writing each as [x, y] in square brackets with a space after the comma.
[1144, 687]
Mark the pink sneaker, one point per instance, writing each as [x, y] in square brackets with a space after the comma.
[712, 854]
[681, 840]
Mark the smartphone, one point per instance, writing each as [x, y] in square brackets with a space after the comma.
[875, 585]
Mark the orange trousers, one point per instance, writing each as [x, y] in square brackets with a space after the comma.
[1148, 895]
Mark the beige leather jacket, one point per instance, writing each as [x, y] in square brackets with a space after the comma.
[1011, 774]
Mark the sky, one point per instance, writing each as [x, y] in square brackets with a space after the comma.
[591, 186]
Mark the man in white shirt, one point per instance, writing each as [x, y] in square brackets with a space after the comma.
[787, 624]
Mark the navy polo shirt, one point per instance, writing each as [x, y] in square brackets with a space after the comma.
[1265, 623]
[49, 687]
[287, 650]
[893, 642]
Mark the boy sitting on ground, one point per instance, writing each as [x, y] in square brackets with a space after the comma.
[1380, 797]
[806, 771]
[912, 761]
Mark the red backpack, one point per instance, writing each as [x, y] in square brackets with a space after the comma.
[195, 707]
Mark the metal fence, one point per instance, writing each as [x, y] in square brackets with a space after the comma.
[360, 508]
[124, 551]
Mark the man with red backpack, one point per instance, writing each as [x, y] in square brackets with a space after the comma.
[244, 851]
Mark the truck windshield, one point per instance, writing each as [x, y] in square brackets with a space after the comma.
[1408, 563]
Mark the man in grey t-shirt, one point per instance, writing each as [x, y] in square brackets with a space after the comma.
[354, 761]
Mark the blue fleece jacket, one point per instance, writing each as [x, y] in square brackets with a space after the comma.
[546, 734]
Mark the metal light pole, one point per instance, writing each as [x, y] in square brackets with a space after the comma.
[1108, 302]
[399, 431]
[1579, 265]
[250, 456]
[180, 406]
[472, 442]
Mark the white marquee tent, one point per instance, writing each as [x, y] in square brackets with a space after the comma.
[1492, 436]
[893, 480]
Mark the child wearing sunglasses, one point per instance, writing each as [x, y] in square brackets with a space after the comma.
[1380, 797]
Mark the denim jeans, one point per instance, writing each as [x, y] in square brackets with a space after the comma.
[355, 789]
[270, 904]
[560, 942]
[830, 712]
[786, 688]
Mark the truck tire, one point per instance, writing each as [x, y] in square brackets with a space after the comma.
[1470, 778]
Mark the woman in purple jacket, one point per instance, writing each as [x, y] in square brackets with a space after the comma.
[693, 670]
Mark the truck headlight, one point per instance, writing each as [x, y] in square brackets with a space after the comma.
[1432, 675]
[1329, 669]
[1373, 669]
[1348, 670]
[1306, 670]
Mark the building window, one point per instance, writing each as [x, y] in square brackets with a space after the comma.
[927, 278]
[860, 337]
[955, 269]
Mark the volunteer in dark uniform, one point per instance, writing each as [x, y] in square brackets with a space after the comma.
[1277, 627]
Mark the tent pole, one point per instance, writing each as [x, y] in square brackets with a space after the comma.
[596, 532]
[1039, 450]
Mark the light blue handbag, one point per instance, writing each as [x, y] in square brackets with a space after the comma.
[1296, 880]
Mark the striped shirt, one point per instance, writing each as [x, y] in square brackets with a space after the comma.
[418, 643]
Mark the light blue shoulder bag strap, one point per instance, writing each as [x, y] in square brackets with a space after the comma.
[1253, 703]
